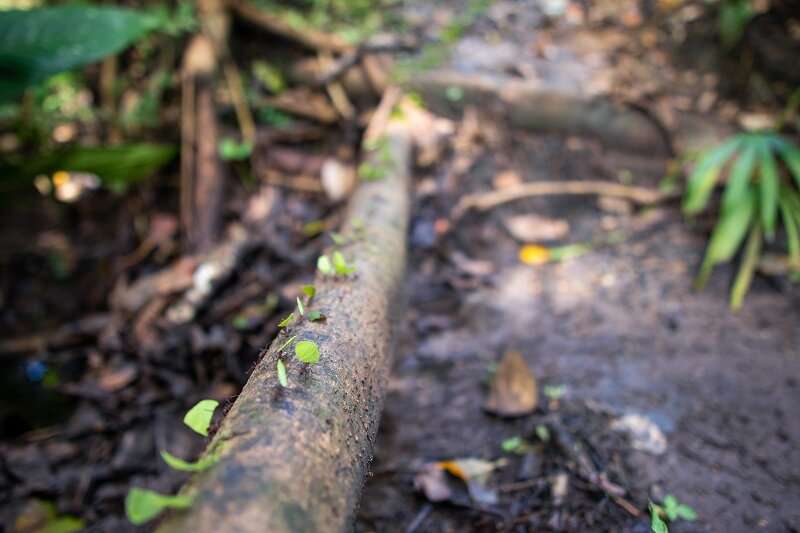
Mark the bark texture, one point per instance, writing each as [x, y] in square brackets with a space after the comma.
[295, 459]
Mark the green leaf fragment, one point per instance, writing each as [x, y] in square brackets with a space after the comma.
[315, 316]
[337, 238]
[310, 291]
[177, 463]
[307, 352]
[300, 307]
[142, 505]
[230, 150]
[340, 264]
[324, 265]
[286, 321]
[513, 444]
[198, 418]
[282, 378]
[769, 183]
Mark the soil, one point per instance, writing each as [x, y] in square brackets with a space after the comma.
[623, 330]
[619, 328]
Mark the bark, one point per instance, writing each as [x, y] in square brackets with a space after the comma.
[295, 459]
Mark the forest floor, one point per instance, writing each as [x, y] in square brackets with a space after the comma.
[615, 335]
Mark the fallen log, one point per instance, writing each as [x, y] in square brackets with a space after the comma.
[295, 458]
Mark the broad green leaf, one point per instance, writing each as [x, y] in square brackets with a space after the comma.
[657, 525]
[749, 261]
[315, 315]
[740, 176]
[142, 505]
[324, 265]
[307, 352]
[286, 321]
[177, 463]
[198, 418]
[300, 307]
[37, 43]
[287, 343]
[705, 174]
[309, 291]
[282, 378]
[769, 182]
[790, 222]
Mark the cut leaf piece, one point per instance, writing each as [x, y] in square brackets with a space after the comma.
[324, 265]
[340, 264]
[310, 291]
[286, 321]
[282, 378]
[287, 343]
[177, 463]
[300, 307]
[657, 524]
[307, 352]
[142, 505]
[315, 315]
[198, 418]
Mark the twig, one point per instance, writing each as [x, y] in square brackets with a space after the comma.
[380, 117]
[308, 37]
[380, 44]
[336, 92]
[421, 516]
[243, 115]
[487, 200]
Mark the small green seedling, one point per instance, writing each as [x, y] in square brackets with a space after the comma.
[198, 418]
[340, 264]
[282, 378]
[516, 445]
[676, 510]
[657, 525]
[289, 341]
[286, 321]
[555, 392]
[142, 505]
[310, 291]
[325, 266]
[315, 316]
[185, 466]
[307, 352]
[300, 307]
[543, 433]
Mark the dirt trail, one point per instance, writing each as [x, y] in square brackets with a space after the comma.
[621, 328]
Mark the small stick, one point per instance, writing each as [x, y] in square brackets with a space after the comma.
[487, 200]
[380, 117]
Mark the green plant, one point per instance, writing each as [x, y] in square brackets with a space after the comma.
[657, 524]
[37, 43]
[671, 510]
[758, 193]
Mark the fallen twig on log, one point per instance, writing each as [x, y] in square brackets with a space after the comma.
[295, 458]
[487, 200]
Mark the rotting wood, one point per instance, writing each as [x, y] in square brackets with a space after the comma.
[295, 459]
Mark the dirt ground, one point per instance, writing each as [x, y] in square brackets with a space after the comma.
[621, 328]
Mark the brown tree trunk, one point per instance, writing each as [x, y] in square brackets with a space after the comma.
[294, 459]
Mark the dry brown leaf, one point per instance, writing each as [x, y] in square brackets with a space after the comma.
[513, 391]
